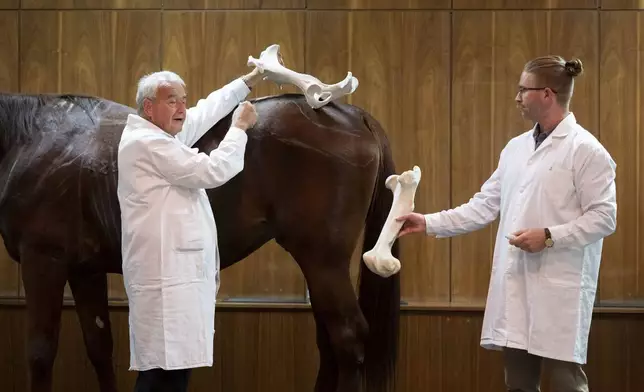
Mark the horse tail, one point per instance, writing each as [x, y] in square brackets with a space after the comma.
[379, 297]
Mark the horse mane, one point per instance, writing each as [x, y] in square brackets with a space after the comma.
[19, 114]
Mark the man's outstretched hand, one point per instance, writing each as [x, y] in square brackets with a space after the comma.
[413, 223]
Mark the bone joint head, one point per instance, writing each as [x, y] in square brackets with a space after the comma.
[379, 259]
[317, 94]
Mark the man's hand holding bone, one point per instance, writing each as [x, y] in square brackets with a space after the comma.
[413, 223]
[255, 76]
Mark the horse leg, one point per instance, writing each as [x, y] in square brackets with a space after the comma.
[44, 281]
[341, 327]
[90, 295]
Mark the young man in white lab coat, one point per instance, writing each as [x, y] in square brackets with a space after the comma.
[554, 189]
[170, 254]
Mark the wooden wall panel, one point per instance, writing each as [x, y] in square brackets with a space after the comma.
[576, 34]
[228, 38]
[378, 4]
[9, 275]
[440, 351]
[274, 350]
[13, 366]
[420, 353]
[268, 338]
[518, 37]
[468, 366]
[39, 51]
[90, 4]
[622, 96]
[472, 160]
[9, 4]
[234, 4]
[186, 60]
[621, 4]
[420, 139]
[137, 51]
[87, 53]
[275, 4]
[618, 338]
[524, 4]
[211, 4]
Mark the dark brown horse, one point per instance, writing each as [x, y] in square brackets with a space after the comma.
[313, 179]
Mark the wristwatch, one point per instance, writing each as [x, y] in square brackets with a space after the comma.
[549, 241]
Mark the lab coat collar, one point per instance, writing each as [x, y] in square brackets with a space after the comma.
[561, 130]
[136, 122]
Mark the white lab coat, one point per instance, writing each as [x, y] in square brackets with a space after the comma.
[542, 302]
[170, 254]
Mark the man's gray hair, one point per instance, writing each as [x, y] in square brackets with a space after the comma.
[149, 84]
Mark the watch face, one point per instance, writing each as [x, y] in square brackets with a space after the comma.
[549, 242]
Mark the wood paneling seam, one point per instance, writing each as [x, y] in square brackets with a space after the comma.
[60, 51]
[598, 116]
[161, 23]
[638, 129]
[450, 286]
[494, 158]
[19, 275]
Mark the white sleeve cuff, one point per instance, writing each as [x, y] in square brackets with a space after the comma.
[236, 134]
[240, 89]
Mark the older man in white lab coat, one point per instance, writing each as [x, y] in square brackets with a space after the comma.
[554, 189]
[170, 254]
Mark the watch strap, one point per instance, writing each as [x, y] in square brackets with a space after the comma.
[549, 242]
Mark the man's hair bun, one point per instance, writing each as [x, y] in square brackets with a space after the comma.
[574, 67]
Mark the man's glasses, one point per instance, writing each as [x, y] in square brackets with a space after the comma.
[522, 89]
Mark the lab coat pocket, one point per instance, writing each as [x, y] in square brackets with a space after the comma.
[563, 267]
[188, 247]
[187, 233]
[554, 320]
[558, 186]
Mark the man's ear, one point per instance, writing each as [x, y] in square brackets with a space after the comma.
[147, 107]
[551, 93]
